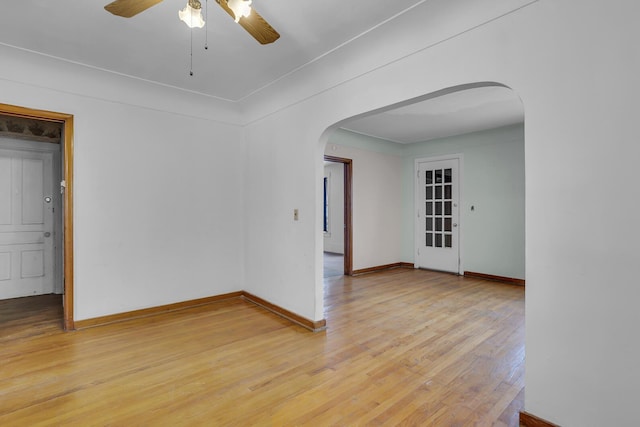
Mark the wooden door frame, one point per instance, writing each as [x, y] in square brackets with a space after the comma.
[348, 215]
[67, 171]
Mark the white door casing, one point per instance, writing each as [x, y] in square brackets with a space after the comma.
[437, 229]
[27, 201]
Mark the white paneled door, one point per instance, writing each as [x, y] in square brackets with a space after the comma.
[26, 223]
[437, 224]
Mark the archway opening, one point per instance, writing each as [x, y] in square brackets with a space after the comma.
[482, 125]
[394, 202]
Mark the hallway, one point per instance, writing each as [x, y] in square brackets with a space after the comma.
[333, 264]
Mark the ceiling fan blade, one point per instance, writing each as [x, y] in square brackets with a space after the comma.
[254, 24]
[129, 8]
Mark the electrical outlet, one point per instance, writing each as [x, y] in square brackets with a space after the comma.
[295, 214]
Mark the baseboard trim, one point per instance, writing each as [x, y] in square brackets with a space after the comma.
[129, 315]
[503, 279]
[528, 420]
[312, 325]
[383, 267]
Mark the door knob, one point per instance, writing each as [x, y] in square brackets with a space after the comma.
[47, 234]
[455, 224]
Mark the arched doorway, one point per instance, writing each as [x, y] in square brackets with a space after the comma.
[480, 124]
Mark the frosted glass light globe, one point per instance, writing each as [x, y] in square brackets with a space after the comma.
[240, 8]
[192, 14]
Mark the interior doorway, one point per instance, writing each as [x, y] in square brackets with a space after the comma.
[30, 212]
[334, 261]
[25, 135]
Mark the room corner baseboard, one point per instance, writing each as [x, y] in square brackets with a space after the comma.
[129, 315]
[312, 325]
[529, 420]
[503, 279]
[383, 267]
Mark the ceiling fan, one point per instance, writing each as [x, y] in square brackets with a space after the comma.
[237, 9]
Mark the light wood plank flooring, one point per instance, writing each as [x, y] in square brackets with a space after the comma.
[403, 347]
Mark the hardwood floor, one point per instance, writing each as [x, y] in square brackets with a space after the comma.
[403, 347]
[22, 318]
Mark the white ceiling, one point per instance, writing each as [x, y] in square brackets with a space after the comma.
[455, 113]
[155, 46]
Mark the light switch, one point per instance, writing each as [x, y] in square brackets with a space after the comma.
[295, 214]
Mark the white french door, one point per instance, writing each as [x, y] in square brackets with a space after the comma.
[438, 214]
[26, 223]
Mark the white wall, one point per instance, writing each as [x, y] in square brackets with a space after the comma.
[334, 238]
[573, 63]
[284, 176]
[158, 185]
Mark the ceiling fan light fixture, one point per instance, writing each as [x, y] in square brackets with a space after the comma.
[192, 14]
[240, 8]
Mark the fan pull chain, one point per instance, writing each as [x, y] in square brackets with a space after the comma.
[191, 55]
[206, 28]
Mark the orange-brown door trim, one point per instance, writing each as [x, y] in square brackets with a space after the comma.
[348, 217]
[67, 156]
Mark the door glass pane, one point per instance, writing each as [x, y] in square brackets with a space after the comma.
[439, 192]
[438, 208]
[447, 224]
